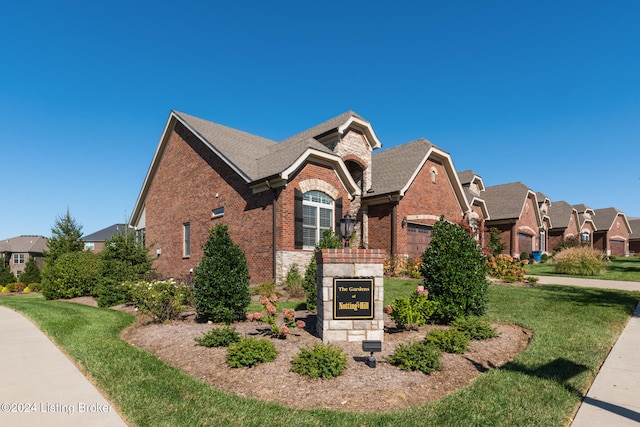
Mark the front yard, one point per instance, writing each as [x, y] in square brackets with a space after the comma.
[573, 330]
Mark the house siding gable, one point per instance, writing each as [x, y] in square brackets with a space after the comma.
[189, 183]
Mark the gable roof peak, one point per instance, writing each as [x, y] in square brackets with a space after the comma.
[338, 125]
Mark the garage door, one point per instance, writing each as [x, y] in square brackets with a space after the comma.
[418, 239]
[525, 243]
[616, 247]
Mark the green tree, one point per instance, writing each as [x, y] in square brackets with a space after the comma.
[6, 276]
[221, 282]
[496, 245]
[65, 237]
[454, 272]
[31, 273]
[123, 260]
[72, 275]
[329, 240]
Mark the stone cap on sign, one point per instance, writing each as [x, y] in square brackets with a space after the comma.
[351, 256]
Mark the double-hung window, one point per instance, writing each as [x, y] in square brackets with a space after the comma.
[317, 216]
[18, 258]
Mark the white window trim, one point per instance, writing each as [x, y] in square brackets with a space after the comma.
[317, 206]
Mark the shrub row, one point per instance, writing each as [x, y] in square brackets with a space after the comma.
[425, 355]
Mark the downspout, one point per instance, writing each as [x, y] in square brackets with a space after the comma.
[394, 237]
[274, 261]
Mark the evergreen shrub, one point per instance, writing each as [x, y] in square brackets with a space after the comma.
[449, 340]
[73, 274]
[251, 351]
[319, 361]
[124, 261]
[218, 337]
[454, 272]
[221, 282]
[329, 240]
[294, 283]
[420, 356]
[476, 327]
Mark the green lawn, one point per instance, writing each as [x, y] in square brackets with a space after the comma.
[573, 330]
[620, 268]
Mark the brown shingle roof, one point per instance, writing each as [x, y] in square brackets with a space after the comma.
[634, 223]
[505, 201]
[26, 244]
[560, 214]
[241, 149]
[466, 176]
[604, 218]
[324, 127]
[392, 169]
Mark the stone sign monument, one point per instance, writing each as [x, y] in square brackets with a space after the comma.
[350, 294]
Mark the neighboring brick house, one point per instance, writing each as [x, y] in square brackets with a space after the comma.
[278, 197]
[412, 186]
[17, 251]
[94, 242]
[612, 231]
[544, 206]
[565, 223]
[515, 212]
[634, 237]
[586, 225]
[473, 186]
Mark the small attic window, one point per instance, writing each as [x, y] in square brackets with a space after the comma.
[434, 174]
[217, 213]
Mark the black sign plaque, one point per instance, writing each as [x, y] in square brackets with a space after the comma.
[352, 299]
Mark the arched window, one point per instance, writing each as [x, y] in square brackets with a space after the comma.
[585, 237]
[317, 216]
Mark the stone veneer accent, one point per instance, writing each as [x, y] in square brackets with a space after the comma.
[285, 259]
[349, 264]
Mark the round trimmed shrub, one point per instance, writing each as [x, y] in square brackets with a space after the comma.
[73, 274]
[449, 340]
[420, 356]
[250, 352]
[320, 361]
[218, 337]
[475, 327]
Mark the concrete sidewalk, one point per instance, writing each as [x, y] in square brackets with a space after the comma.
[40, 386]
[614, 396]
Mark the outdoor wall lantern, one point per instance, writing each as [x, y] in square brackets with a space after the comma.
[371, 346]
[346, 228]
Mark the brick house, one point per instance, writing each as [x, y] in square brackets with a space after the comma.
[94, 242]
[634, 237]
[17, 251]
[612, 231]
[515, 212]
[544, 206]
[412, 186]
[278, 197]
[565, 223]
[586, 225]
[473, 186]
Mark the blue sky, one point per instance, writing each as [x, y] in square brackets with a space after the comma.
[545, 92]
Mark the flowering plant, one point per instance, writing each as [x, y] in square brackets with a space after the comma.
[270, 305]
[412, 312]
